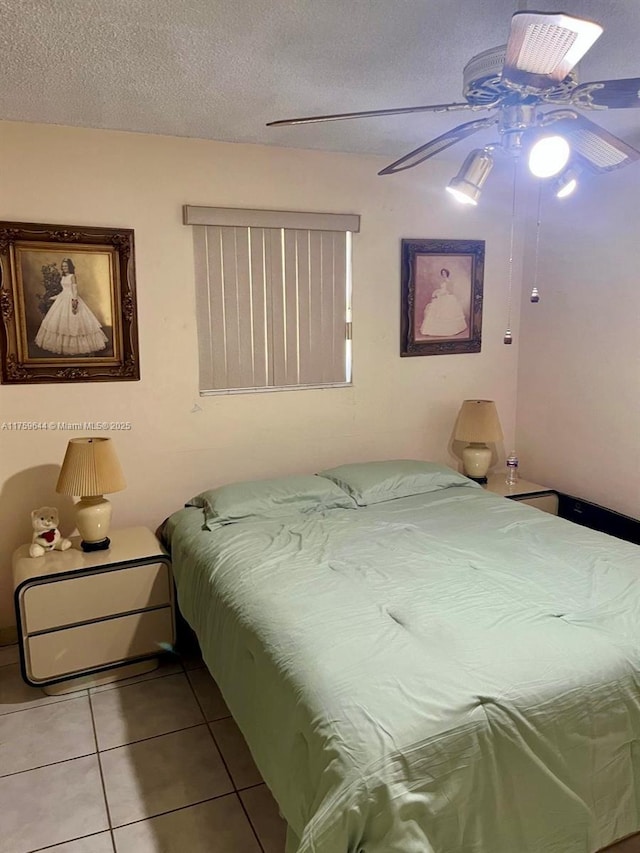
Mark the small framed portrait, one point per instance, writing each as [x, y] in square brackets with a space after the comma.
[68, 306]
[441, 296]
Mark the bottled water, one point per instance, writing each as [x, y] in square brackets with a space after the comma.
[512, 469]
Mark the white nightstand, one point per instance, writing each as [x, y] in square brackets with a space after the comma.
[89, 618]
[541, 497]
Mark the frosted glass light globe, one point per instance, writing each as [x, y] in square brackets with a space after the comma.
[549, 156]
[460, 195]
[567, 189]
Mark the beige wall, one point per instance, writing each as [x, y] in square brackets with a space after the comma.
[579, 372]
[181, 443]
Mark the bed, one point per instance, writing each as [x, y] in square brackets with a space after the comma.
[419, 666]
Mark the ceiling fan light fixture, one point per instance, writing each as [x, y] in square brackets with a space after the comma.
[566, 183]
[548, 156]
[567, 189]
[463, 194]
[467, 185]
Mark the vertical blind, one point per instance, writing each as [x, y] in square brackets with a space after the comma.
[273, 303]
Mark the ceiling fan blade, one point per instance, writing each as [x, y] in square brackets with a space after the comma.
[434, 146]
[428, 108]
[543, 48]
[593, 146]
[608, 94]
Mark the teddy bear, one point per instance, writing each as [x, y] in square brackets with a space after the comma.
[46, 536]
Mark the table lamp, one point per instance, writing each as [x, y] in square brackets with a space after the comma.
[479, 425]
[91, 468]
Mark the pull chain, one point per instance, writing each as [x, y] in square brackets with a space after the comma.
[535, 293]
[508, 335]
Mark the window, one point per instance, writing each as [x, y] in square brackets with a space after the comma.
[273, 298]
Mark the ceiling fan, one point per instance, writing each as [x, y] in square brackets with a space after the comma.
[516, 83]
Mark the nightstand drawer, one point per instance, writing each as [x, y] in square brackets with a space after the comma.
[88, 647]
[547, 503]
[56, 603]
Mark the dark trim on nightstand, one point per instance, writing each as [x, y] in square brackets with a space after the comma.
[539, 493]
[599, 518]
[82, 573]
[85, 672]
[109, 618]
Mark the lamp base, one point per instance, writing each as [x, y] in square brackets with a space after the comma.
[101, 545]
[476, 458]
[93, 517]
[481, 480]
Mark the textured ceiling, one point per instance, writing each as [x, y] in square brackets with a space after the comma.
[220, 69]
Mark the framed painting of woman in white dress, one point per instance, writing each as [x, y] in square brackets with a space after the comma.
[441, 295]
[67, 299]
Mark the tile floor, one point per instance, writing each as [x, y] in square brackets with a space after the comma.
[154, 764]
[149, 765]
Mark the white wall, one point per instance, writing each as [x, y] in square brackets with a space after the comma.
[181, 443]
[578, 423]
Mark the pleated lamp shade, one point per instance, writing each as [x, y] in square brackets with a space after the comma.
[478, 422]
[90, 468]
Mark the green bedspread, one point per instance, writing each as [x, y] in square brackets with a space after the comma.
[447, 673]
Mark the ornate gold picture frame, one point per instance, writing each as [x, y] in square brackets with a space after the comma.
[68, 304]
